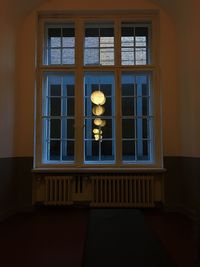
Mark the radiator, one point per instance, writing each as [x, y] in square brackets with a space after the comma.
[58, 190]
[123, 191]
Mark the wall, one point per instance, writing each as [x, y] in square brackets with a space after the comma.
[8, 192]
[179, 56]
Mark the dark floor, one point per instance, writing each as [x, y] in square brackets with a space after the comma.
[56, 236]
[178, 234]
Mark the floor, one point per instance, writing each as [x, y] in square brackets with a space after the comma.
[56, 236]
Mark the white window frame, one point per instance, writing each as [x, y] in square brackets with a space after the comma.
[79, 19]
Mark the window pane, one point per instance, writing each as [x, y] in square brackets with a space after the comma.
[136, 117]
[68, 128]
[128, 150]
[55, 56]
[128, 89]
[99, 128]
[107, 149]
[143, 148]
[54, 37]
[134, 44]
[128, 106]
[55, 128]
[55, 106]
[91, 150]
[128, 56]
[60, 45]
[58, 115]
[68, 150]
[55, 90]
[91, 56]
[99, 44]
[128, 128]
[55, 150]
[141, 56]
[68, 56]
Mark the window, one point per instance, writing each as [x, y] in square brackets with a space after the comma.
[114, 57]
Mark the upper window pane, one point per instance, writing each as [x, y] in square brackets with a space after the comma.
[60, 45]
[134, 44]
[99, 44]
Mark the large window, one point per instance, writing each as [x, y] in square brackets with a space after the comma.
[98, 100]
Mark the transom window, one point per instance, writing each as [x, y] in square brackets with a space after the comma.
[98, 100]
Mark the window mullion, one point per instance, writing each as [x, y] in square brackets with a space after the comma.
[79, 90]
[118, 130]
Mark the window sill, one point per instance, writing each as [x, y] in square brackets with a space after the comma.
[98, 170]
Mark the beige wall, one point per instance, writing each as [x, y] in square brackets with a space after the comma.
[188, 29]
[7, 78]
[179, 71]
[26, 52]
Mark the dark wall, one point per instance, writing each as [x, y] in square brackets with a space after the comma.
[182, 184]
[15, 185]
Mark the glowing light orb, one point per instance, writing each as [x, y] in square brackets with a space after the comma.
[98, 98]
[97, 122]
[98, 110]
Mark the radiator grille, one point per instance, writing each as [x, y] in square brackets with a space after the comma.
[122, 191]
[57, 190]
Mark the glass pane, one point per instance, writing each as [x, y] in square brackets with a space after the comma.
[99, 44]
[68, 56]
[55, 90]
[128, 106]
[55, 106]
[145, 106]
[91, 56]
[127, 41]
[89, 126]
[68, 107]
[103, 123]
[106, 41]
[107, 150]
[55, 129]
[107, 56]
[108, 107]
[68, 128]
[134, 44]
[55, 56]
[143, 148]
[141, 56]
[128, 56]
[128, 128]
[68, 41]
[128, 150]
[92, 150]
[92, 32]
[58, 38]
[128, 89]
[91, 42]
[106, 89]
[54, 37]
[145, 129]
[108, 129]
[55, 150]
[68, 150]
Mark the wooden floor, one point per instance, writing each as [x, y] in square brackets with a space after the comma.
[55, 238]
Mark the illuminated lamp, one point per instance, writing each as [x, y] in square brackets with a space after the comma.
[98, 110]
[97, 122]
[103, 123]
[98, 98]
